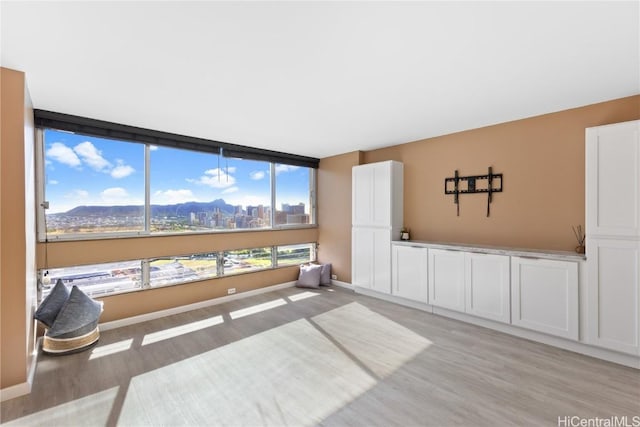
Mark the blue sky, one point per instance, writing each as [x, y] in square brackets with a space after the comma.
[84, 170]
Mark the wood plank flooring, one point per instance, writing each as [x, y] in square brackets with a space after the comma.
[330, 357]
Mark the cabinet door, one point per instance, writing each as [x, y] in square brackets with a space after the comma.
[487, 290]
[381, 195]
[381, 260]
[362, 257]
[544, 296]
[409, 270]
[613, 180]
[362, 194]
[446, 279]
[613, 294]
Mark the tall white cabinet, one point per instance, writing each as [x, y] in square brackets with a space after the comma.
[377, 190]
[613, 236]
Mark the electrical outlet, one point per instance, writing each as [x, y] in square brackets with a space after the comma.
[231, 291]
[334, 276]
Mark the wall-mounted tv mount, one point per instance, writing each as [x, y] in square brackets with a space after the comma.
[489, 183]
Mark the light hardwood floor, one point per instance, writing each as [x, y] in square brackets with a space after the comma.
[328, 357]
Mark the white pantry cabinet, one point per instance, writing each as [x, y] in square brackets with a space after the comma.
[377, 195]
[377, 218]
[487, 286]
[544, 296]
[613, 180]
[409, 267]
[446, 279]
[613, 301]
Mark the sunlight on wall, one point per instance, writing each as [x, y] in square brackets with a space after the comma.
[93, 408]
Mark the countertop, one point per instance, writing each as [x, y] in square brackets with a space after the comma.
[499, 250]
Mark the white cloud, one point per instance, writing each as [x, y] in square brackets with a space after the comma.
[53, 182]
[77, 194]
[230, 190]
[169, 197]
[114, 194]
[92, 156]
[248, 200]
[257, 175]
[153, 147]
[216, 178]
[63, 154]
[285, 168]
[121, 170]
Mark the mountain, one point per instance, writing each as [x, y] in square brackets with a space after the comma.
[177, 210]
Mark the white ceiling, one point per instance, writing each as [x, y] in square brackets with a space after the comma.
[321, 78]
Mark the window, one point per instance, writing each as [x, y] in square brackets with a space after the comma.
[293, 195]
[93, 185]
[102, 187]
[295, 254]
[174, 270]
[245, 260]
[96, 279]
[117, 277]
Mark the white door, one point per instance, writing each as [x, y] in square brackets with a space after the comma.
[362, 194]
[487, 290]
[544, 295]
[381, 260]
[446, 279]
[613, 180]
[613, 296]
[362, 257]
[409, 269]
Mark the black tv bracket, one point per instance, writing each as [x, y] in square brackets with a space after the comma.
[489, 183]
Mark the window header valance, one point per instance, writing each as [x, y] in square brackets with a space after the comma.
[103, 129]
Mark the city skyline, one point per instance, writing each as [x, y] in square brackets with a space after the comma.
[82, 170]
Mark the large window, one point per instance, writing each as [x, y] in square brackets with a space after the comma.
[104, 187]
[117, 277]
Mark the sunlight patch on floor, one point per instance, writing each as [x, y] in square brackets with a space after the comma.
[166, 334]
[302, 295]
[257, 308]
[382, 345]
[107, 349]
[289, 375]
[94, 409]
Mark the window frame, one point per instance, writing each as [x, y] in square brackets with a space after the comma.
[42, 203]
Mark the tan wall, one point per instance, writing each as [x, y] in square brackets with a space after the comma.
[334, 212]
[543, 162]
[16, 326]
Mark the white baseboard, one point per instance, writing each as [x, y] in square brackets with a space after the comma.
[189, 307]
[25, 387]
[342, 284]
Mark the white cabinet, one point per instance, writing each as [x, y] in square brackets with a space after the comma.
[544, 295]
[613, 180]
[487, 290]
[377, 195]
[446, 279]
[371, 258]
[377, 218]
[409, 267]
[614, 294]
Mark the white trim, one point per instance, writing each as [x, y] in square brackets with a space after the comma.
[23, 388]
[342, 284]
[189, 307]
[394, 299]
